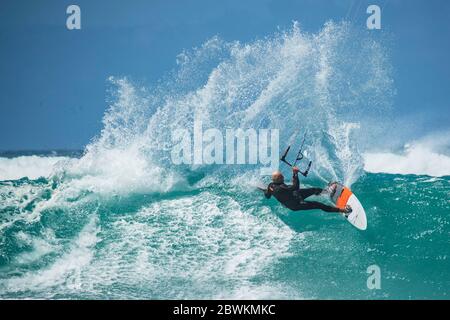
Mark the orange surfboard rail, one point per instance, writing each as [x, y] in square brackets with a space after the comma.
[343, 198]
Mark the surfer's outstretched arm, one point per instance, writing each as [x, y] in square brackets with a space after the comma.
[267, 191]
[295, 182]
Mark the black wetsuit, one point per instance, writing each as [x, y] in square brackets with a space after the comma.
[293, 197]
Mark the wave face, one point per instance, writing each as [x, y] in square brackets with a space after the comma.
[122, 222]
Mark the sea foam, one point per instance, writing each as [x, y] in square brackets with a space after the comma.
[426, 156]
[32, 167]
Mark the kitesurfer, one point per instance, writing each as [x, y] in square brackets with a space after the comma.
[292, 197]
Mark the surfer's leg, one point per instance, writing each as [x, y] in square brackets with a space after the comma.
[305, 193]
[309, 205]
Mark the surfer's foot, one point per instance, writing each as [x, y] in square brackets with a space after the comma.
[346, 211]
[330, 189]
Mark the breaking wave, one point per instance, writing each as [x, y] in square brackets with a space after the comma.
[122, 221]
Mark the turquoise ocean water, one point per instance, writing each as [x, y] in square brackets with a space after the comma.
[118, 220]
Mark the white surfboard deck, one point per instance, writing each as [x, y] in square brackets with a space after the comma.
[358, 215]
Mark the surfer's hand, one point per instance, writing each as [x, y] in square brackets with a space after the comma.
[295, 169]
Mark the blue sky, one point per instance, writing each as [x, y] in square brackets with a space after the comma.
[54, 81]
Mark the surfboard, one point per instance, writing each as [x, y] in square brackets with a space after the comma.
[343, 196]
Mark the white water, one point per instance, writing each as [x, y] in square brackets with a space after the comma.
[427, 156]
[322, 84]
[32, 167]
